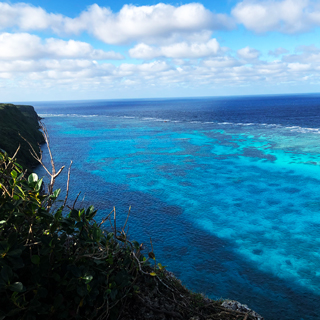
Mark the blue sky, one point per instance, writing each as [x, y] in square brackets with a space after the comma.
[57, 50]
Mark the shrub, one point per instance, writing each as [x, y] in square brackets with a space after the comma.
[59, 265]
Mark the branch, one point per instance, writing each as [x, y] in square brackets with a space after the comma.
[67, 193]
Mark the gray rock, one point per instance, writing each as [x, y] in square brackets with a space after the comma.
[237, 306]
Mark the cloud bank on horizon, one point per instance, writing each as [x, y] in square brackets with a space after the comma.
[159, 50]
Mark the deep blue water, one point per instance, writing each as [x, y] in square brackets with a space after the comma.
[227, 188]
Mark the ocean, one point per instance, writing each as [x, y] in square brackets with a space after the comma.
[227, 188]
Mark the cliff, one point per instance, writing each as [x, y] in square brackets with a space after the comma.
[23, 119]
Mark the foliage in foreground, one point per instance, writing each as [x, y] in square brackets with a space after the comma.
[66, 266]
[55, 265]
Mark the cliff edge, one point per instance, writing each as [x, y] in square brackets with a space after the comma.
[23, 120]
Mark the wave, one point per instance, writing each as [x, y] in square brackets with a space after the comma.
[231, 124]
[50, 115]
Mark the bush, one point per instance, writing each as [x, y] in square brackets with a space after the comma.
[58, 265]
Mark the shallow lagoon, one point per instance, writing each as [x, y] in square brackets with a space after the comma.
[228, 189]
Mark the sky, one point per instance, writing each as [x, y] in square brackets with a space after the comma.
[74, 50]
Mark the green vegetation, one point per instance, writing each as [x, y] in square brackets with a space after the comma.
[15, 119]
[62, 264]
[56, 266]
[58, 262]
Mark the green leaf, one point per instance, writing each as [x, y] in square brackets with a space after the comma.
[2, 284]
[113, 294]
[34, 304]
[18, 165]
[81, 290]
[21, 190]
[38, 185]
[153, 274]
[106, 294]
[91, 212]
[88, 278]
[15, 253]
[55, 194]
[74, 270]
[58, 215]
[16, 287]
[12, 240]
[151, 255]
[4, 245]
[33, 177]
[16, 262]
[14, 174]
[35, 259]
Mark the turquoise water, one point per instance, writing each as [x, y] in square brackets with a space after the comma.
[232, 207]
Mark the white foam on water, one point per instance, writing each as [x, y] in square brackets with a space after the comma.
[50, 115]
[297, 129]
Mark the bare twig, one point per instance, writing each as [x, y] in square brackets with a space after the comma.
[53, 174]
[6, 165]
[4, 188]
[139, 264]
[15, 154]
[75, 201]
[115, 222]
[126, 220]
[105, 219]
[67, 193]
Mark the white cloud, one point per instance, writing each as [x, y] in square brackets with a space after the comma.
[131, 23]
[277, 52]
[307, 55]
[144, 51]
[27, 46]
[288, 16]
[299, 67]
[308, 49]
[27, 17]
[78, 74]
[248, 53]
[221, 62]
[146, 23]
[178, 50]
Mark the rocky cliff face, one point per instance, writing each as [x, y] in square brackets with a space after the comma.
[23, 119]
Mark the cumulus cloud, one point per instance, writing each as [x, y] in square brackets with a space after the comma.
[306, 55]
[288, 16]
[147, 22]
[309, 49]
[131, 23]
[248, 53]
[299, 66]
[27, 17]
[27, 46]
[243, 68]
[178, 50]
[221, 62]
[277, 52]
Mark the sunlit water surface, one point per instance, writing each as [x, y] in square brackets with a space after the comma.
[227, 188]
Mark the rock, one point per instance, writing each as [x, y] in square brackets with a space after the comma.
[237, 306]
